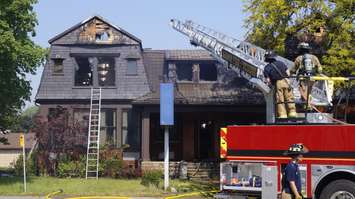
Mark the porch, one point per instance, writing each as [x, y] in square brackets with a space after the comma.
[195, 135]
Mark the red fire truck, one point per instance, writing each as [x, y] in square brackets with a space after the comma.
[255, 161]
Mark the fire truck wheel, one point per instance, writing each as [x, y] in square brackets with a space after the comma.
[339, 189]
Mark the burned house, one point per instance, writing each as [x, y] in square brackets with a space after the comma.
[96, 53]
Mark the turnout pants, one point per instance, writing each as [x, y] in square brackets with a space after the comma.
[285, 99]
[285, 195]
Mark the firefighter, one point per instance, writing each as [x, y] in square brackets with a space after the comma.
[291, 180]
[306, 65]
[276, 74]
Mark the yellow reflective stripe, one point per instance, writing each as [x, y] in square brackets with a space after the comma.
[223, 143]
[329, 78]
[99, 197]
[191, 194]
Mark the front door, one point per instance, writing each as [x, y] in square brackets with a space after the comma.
[206, 139]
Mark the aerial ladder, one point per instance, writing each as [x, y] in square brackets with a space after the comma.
[246, 59]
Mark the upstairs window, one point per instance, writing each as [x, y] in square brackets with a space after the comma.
[132, 68]
[106, 71]
[57, 65]
[184, 71]
[83, 72]
[208, 72]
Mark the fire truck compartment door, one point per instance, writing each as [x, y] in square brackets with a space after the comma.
[269, 178]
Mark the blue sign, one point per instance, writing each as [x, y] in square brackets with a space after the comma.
[166, 104]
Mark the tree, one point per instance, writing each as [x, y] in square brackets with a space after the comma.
[59, 137]
[327, 25]
[26, 120]
[19, 55]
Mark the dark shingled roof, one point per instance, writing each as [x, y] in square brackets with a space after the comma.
[154, 63]
[232, 91]
[207, 94]
[14, 143]
[188, 55]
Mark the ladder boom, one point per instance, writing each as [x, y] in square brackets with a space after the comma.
[245, 58]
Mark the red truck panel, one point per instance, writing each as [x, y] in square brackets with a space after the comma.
[324, 141]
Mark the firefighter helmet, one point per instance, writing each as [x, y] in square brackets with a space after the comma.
[269, 54]
[296, 149]
[304, 45]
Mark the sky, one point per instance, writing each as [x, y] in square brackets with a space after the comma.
[146, 19]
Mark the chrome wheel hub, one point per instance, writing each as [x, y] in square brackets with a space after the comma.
[342, 195]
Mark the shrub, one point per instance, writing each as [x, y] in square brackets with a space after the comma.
[112, 167]
[129, 171]
[152, 177]
[70, 169]
[30, 166]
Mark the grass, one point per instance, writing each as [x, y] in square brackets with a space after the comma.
[92, 187]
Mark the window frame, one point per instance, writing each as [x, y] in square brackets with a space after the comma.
[126, 128]
[54, 64]
[95, 71]
[129, 60]
[111, 70]
[75, 72]
[201, 64]
[184, 64]
[114, 127]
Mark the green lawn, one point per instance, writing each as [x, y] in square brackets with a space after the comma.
[82, 187]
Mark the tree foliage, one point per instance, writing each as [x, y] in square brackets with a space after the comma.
[26, 120]
[327, 25]
[19, 56]
[58, 135]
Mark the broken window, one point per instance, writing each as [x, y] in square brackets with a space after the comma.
[132, 67]
[83, 72]
[106, 71]
[184, 71]
[57, 65]
[208, 72]
[108, 127]
[102, 36]
[96, 31]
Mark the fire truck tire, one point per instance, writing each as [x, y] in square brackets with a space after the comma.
[339, 189]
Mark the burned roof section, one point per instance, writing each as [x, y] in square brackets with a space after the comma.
[95, 30]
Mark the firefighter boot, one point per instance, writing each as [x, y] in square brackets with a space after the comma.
[291, 110]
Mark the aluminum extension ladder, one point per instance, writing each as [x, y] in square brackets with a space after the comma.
[92, 155]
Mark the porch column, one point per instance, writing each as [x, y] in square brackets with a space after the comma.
[145, 136]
